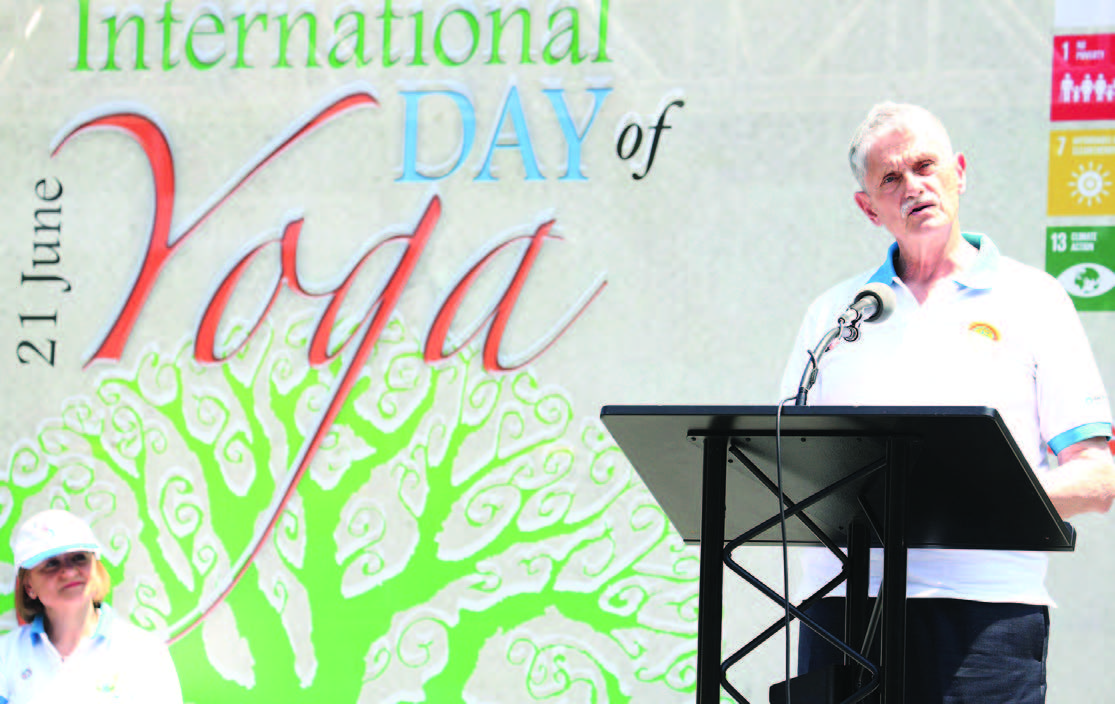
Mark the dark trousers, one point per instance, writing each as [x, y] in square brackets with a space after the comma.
[957, 652]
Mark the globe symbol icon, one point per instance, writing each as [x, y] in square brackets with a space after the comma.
[1088, 281]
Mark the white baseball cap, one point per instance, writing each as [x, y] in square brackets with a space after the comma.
[51, 533]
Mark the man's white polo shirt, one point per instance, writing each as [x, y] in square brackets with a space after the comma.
[1005, 336]
[118, 663]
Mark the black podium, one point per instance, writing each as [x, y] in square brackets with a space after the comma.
[853, 477]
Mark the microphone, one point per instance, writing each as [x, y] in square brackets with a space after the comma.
[873, 304]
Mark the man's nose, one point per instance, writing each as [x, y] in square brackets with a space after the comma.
[913, 183]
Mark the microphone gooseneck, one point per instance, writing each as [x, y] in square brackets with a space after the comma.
[873, 303]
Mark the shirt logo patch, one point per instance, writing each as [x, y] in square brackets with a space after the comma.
[985, 329]
[26, 674]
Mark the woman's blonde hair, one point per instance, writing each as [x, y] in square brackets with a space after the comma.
[27, 608]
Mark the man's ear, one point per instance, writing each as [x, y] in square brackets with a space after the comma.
[864, 203]
[961, 169]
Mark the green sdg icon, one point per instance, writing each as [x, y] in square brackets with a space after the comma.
[1082, 259]
[1087, 280]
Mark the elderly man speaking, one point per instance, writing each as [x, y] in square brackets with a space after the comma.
[970, 328]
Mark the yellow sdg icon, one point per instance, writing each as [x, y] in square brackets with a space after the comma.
[1081, 163]
[1089, 184]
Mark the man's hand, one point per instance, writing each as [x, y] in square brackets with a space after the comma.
[1084, 480]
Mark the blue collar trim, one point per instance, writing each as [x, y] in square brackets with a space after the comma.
[38, 630]
[979, 276]
[104, 623]
[886, 274]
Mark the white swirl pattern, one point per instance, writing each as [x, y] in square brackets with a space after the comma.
[474, 535]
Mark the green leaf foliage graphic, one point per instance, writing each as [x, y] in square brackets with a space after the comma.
[459, 536]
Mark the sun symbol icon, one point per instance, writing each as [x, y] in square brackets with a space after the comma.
[1089, 184]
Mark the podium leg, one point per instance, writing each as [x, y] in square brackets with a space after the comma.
[893, 646]
[711, 594]
[855, 602]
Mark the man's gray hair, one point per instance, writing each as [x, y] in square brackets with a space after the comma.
[883, 118]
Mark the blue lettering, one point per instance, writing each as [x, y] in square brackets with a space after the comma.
[411, 173]
[574, 138]
[513, 106]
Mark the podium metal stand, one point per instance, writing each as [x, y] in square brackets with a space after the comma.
[918, 476]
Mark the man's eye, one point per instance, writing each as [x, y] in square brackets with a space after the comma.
[51, 565]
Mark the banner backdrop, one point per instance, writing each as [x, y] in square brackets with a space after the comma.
[310, 309]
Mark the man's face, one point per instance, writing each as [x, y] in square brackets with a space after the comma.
[913, 184]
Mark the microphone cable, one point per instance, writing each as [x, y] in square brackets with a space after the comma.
[782, 525]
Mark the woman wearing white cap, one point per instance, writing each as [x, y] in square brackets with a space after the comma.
[73, 644]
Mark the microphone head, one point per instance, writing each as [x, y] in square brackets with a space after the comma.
[885, 300]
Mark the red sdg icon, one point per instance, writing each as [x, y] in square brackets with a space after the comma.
[1083, 77]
